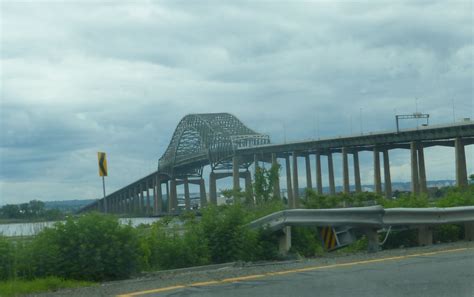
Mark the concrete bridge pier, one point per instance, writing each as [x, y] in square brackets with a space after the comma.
[460, 156]
[158, 201]
[289, 187]
[332, 186]
[309, 184]
[173, 198]
[377, 176]
[167, 187]
[358, 187]
[296, 194]
[141, 201]
[187, 198]
[202, 193]
[276, 182]
[319, 178]
[248, 183]
[414, 168]
[386, 174]
[345, 171]
[212, 188]
[421, 170]
[235, 173]
[148, 202]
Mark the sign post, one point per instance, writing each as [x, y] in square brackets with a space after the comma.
[103, 172]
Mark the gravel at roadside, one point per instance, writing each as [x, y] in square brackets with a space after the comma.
[230, 270]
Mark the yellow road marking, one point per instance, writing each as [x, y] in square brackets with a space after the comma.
[311, 268]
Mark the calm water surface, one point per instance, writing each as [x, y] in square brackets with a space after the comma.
[28, 229]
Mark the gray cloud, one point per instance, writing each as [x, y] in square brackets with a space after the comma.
[79, 77]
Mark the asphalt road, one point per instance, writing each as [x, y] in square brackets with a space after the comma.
[434, 271]
[448, 273]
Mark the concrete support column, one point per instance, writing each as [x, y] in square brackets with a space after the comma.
[386, 174]
[256, 164]
[415, 190]
[377, 176]
[248, 187]
[235, 173]
[469, 231]
[202, 193]
[167, 186]
[158, 201]
[130, 208]
[276, 182]
[187, 198]
[332, 186]
[461, 171]
[141, 200]
[296, 194]
[345, 171]
[373, 240]
[425, 236]
[319, 177]
[173, 199]
[289, 188]
[285, 241]
[148, 202]
[358, 186]
[212, 188]
[309, 184]
[138, 208]
[421, 170]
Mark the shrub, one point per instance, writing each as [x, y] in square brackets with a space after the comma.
[228, 238]
[457, 197]
[304, 241]
[6, 258]
[175, 246]
[94, 247]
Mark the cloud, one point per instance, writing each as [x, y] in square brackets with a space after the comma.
[79, 77]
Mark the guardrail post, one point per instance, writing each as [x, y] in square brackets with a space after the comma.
[373, 240]
[425, 235]
[285, 241]
[469, 231]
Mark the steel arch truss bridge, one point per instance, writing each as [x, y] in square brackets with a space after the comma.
[202, 139]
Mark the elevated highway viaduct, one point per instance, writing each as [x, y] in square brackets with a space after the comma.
[225, 144]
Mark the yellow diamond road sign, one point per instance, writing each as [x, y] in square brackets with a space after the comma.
[102, 164]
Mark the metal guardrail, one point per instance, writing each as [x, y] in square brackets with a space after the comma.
[374, 217]
[358, 216]
[428, 216]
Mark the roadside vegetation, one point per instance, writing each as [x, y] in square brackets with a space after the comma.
[32, 211]
[96, 247]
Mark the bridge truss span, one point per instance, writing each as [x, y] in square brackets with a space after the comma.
[202, 139]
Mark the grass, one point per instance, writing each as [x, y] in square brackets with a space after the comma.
[22, 287]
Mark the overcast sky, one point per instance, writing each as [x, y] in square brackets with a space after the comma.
[79, 77]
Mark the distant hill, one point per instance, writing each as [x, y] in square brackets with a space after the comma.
[67, 205]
